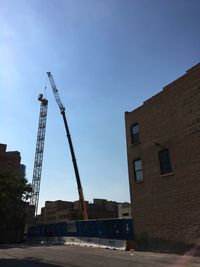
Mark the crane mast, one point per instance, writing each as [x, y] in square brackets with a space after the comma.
[78, 180]
[37, 170]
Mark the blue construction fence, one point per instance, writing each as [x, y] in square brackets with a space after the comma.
[109, 229]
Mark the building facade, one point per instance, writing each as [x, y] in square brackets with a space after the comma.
[124, 210]
[56, 211]
[9, 160]
[62, 211]
[102, 209]
[163, 137]
[13, 221]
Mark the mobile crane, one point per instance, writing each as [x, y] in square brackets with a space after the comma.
[62, 111]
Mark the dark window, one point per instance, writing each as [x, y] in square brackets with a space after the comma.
[135, 138]
[138, 170]
[165, 163]
[10, 162]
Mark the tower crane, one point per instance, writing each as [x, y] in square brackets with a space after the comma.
[62, 111]
[37, 170]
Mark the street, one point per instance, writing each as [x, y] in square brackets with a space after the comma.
[74, 256]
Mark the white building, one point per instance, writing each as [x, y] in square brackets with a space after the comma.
[124, 210]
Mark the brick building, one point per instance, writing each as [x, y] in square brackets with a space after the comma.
[163, 137]
[56, 211]
[11, 230]
[102, 209]
[9, 160]
[61, 211]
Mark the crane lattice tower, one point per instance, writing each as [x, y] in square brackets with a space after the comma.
[37, 170]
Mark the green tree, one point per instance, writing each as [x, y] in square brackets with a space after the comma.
[14, 191]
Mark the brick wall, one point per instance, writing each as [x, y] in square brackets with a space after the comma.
[166, 207]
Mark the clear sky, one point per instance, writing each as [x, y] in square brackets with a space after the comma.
[107, 57]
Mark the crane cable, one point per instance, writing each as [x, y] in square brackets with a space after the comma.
[45, 87]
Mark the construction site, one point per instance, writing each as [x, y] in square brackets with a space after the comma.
[37, 171]
[99, 133]
[109, 232]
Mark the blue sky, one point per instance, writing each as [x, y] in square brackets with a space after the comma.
[107, 57]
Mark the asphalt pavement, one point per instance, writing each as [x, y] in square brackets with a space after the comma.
[75, 256]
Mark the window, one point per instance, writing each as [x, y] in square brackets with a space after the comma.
[138, 170]
[165, 163]
[135, 138]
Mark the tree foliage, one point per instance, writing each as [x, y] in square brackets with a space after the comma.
[14, 191]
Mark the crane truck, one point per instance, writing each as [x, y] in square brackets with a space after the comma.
[62, 111]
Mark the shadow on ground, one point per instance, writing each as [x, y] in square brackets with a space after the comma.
[24, 245]
[26, 262]
[168, 246]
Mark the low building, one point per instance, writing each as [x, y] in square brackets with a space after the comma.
[163, 138]
[62, 211]
[102, 209]
[55, 211]
[124, 210]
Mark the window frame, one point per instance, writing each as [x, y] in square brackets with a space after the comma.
[136, 135]
[165, 162]
[137, 171]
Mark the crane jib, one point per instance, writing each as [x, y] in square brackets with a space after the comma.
[62, 109]
[55, 91]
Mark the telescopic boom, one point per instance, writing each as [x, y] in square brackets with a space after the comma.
[78, 180]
